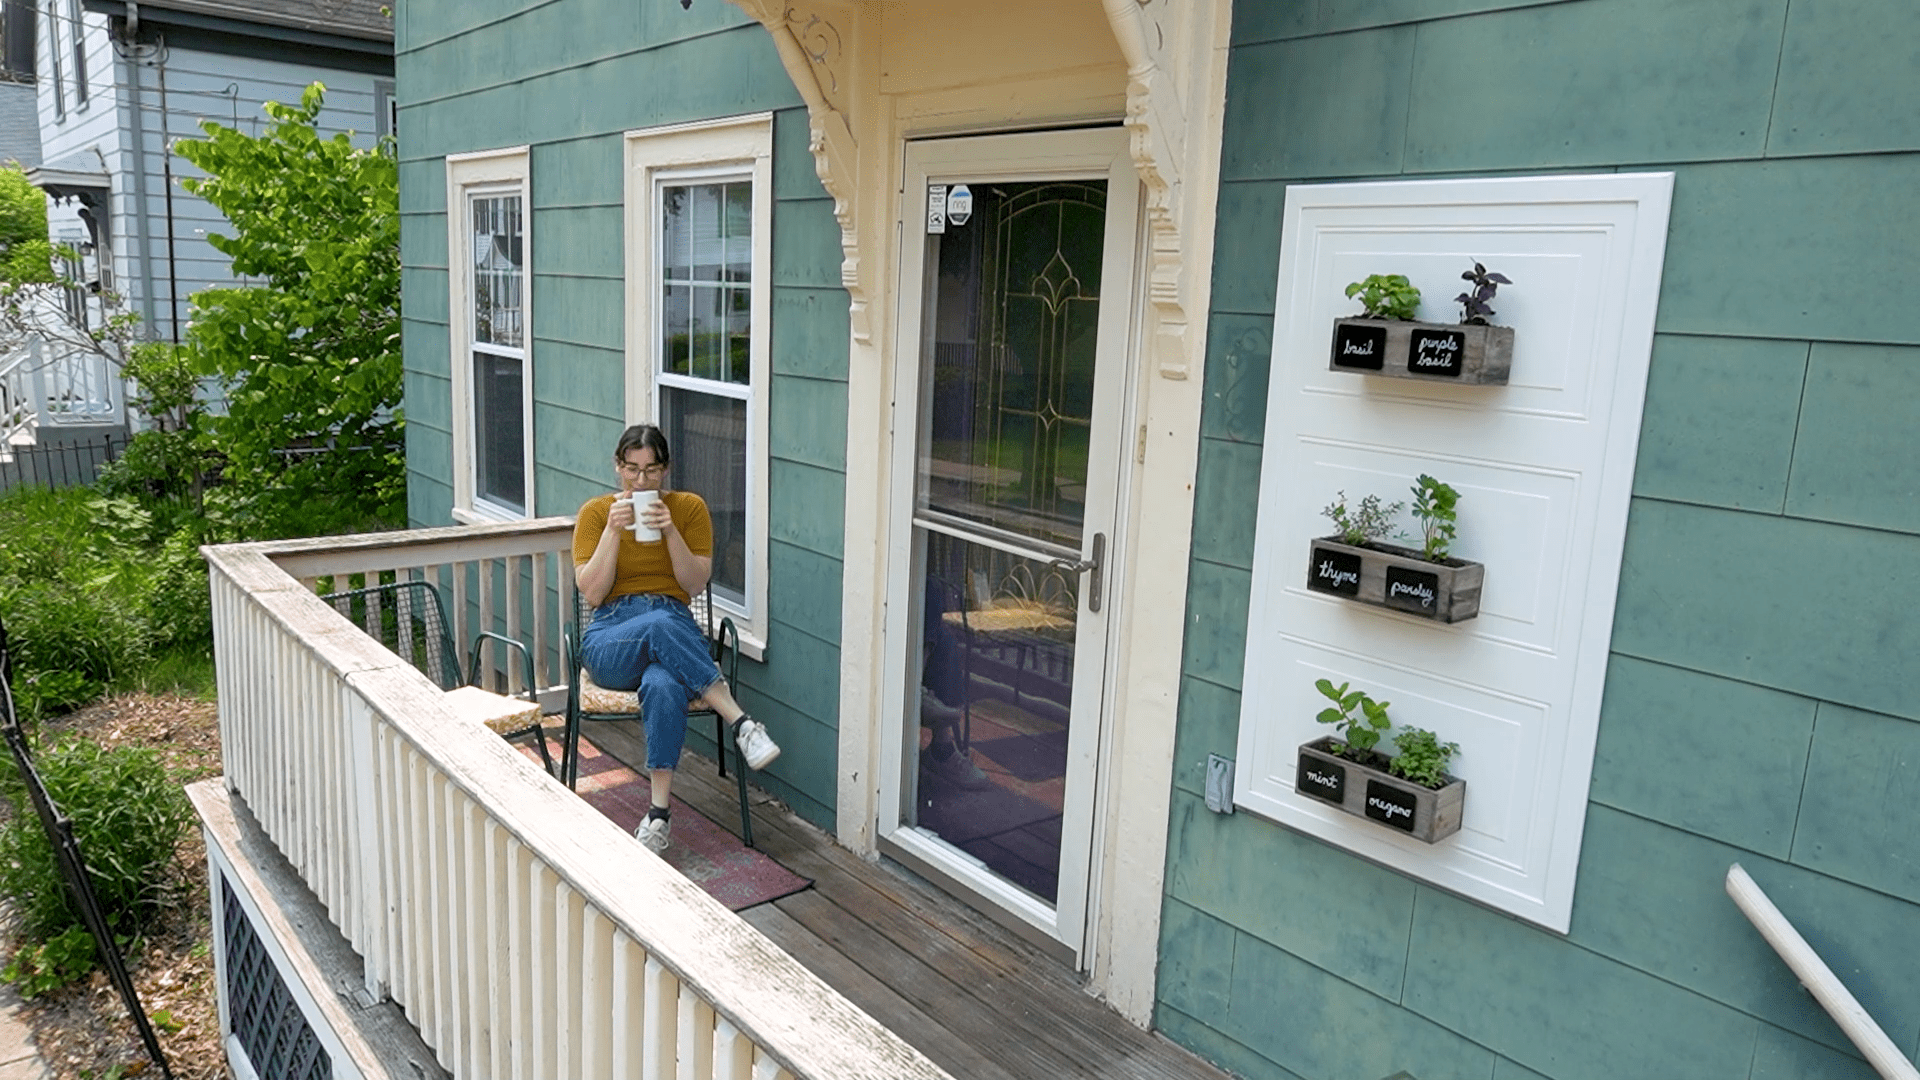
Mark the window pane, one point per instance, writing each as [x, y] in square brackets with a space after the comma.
[676, 327]
[498, 280]
[739, 232]
[708, 437]
[499, 432]
[676, 237]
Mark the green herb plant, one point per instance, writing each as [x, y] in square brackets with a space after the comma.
[1367, 523]
[1361, 719]
[1386, 296]
[1423, 758]
[1434, 507]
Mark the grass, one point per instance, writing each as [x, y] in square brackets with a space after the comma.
[186, 672]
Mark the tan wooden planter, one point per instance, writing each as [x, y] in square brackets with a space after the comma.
[1379, 796]
[1429, 352]
[1394, 577]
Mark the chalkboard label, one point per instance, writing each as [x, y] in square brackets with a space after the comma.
[1321, 779]
[1335, 572]
[1363, 347]
[1390, 805]
[1437, 352]
[1412, 590]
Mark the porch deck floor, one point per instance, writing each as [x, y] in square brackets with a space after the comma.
[969, 994]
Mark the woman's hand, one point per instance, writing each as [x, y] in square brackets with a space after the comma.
[655, 516]
[620, 514]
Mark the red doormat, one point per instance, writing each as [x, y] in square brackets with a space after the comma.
[708, 855]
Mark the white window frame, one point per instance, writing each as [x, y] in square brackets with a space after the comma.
[483, 173]
[53, 60]
[734, 147]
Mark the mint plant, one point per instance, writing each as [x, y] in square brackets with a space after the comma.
[1423, 758]
[1473, 305]
[1361, 719]
[1386, 296]
[1433, 507]
[1365, 524]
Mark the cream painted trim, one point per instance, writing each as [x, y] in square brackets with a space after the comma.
[466, 172]
[734, 145]
[1177, 58]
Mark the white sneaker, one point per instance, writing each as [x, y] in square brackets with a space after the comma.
[652, 831]
[755, 744]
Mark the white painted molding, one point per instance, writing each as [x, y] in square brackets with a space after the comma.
[1545, 468]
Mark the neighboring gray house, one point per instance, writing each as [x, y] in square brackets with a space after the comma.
[19, 112]
[119, 83]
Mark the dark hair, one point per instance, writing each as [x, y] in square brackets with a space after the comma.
[643, 435]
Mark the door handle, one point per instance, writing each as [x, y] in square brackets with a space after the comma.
[1095, 563]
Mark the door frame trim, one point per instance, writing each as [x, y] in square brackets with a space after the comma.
[1086, 153]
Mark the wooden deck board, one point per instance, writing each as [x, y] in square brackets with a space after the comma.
[959, 987]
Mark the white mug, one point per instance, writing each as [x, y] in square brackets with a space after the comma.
[642, 500]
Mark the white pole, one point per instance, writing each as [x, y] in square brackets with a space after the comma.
[1819, 979]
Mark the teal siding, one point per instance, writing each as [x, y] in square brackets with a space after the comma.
[1756, 706]
[485, 74]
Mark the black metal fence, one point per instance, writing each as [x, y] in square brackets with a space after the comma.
[59, 465]
[73, 865]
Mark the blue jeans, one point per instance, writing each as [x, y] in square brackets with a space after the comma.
[650, 642]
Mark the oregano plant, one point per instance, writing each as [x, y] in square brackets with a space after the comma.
[1423, 758]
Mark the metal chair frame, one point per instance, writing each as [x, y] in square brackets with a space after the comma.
[434, 652]
[725, 646]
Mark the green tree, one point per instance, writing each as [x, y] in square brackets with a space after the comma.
[309, 352]
[26, 257]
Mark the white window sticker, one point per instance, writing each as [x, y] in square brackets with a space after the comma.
[959, 205]
[936, 208]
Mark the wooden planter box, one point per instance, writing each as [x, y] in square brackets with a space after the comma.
[1377, 795]
[1389, 576]
[1430, 352]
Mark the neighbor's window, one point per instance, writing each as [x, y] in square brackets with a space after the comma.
[53, 60]
[78, 31]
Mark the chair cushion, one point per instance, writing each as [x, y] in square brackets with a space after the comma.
[595, 698]
[501, 715]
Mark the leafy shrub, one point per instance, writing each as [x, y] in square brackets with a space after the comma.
[63, 958]
[72, 639]
[128, 814]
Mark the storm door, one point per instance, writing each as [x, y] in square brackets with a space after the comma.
[1015, 323]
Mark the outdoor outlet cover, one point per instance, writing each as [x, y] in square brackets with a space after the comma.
[1219, 784]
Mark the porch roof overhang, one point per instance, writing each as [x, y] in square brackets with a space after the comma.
[275, 31]
[82, 176]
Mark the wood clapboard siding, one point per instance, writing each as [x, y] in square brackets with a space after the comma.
[1755, 706]
[973, 997]
[488, 75]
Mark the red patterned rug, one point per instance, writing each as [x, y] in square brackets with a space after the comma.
[708, 855]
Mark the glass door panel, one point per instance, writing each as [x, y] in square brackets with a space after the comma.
[1009, 325]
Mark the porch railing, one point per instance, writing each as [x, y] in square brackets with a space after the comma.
[524, 934]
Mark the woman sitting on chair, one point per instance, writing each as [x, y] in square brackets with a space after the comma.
[641, 635]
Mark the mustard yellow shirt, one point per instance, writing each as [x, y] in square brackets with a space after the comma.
[645, 568]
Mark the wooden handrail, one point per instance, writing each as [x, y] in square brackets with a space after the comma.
[514, 923]
[1814, 974]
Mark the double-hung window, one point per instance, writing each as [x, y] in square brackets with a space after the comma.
[699, 221]
[489, 335]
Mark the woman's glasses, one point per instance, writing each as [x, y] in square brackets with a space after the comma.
[628, 468]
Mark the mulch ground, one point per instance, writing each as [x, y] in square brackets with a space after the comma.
[83, 1030]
